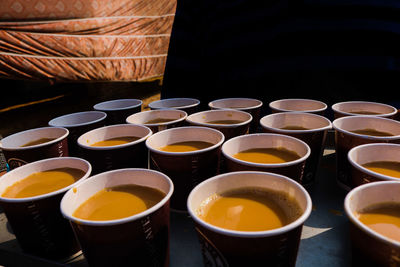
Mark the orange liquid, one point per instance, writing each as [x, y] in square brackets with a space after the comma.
[40, 183]
[158, 120]
[249, 209]
[38, 142]
[225, 122]
[186, 146]
[118, 202]
[116, 141]
[294, 127]
[364, 112]
[383, 219]
[389, 168]
[267, 155]
[372, 132]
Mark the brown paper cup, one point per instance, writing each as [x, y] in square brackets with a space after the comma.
[222, 247]
[351, 108]
[16, 155]
[370, 248]
[314, 135]
[186, 169]
[37, 221]
[189, 105]
[118, 110]
[176, 117]
[298, 104]
[130, 155]
[78, 124]
[229, 130]
[346, 140]
[292, 169]
[138, 240]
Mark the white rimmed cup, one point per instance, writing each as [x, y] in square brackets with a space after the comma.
[223, 247]
[16, 155]
[292, 169]
[104, 158]
[174, 117]
[362, 154]
[77, 124]
[314, 134]
[190, 105]
[345, 140]
[186, 169]
[138, 240]
[351, 108]
[37, 222]
[206, 118]
[370, 248]
[250, 105]
[119, 109]
[298, 104]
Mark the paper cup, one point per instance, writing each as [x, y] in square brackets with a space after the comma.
[250, 105]
[131, 155]
[189, 105]
[77, 124]
[351, 108]
[176, 118]
[37, 222]
[298, 104]
[292, 169]
[16, 155]
[314, 135]
[138, 240]
[370, 248]
[186, 169]
[222, 247]
[118, 110]
[346, 140]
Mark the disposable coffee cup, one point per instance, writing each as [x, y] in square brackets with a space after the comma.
[138, 240]
[37, 222]
[104, 158]
[158, 120]
[186, 169]
[78, 124]
[225, 247]
[346, 139]
[119, 109]
[17, 154]
[189, 105]
[293, 169]
[219, 120]
[298, 104]
[250, 105]
[351, 108]
[308, 127]
[370, 248]
[368, 153]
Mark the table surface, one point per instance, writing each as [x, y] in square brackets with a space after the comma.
[324, 242]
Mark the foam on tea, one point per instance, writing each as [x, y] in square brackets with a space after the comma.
[158, 120]
[249, 209]
[389, 168]
[118, 202]
[186, 146]
[294, 127]
[383, 218]
[116, 141]
[44, 182]
[270, 155]
[371, 132]
[225, 122]
[38, 142]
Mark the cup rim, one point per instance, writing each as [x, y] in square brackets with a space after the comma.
[365, 170]
[184, 113]
[50, 194]
[335, 108]
[205, 124]
[324, 105]
[153, 105]
[186, 152]
[253, 234]
[34, 146]
[83, 145]
[53, 121]
[336, 127]
[211, 104]
[296, 113]
[359, 224]
[99, 106]
[145, 213]
[269, 165]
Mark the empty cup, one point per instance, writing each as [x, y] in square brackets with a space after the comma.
[118, 110]
[189, 105]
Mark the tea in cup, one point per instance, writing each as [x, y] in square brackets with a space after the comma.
[351, 108]
[298, 104]
[158, 120]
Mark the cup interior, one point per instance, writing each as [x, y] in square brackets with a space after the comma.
[352, 123]
[170, 114]
[351, 107]
[175, 103]
[206, 117]
[305, 105]
[235, 103]
[311, 122]
[118, 104]
[78, 119]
